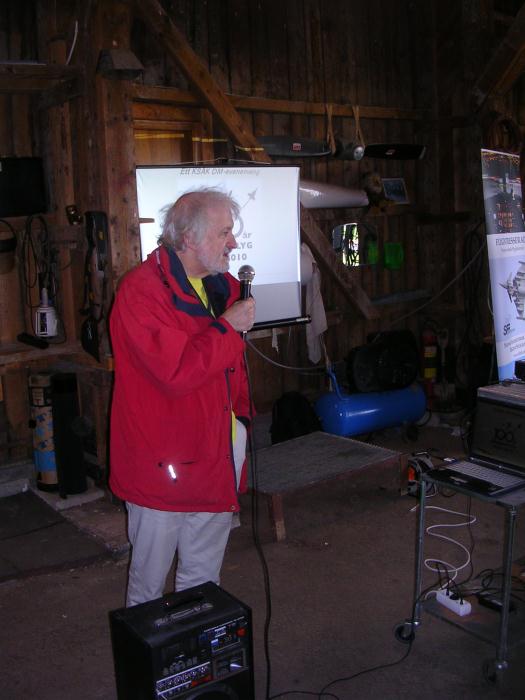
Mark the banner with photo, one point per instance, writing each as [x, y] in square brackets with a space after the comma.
[505, 226]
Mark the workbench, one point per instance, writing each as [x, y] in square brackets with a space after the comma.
[302, 463]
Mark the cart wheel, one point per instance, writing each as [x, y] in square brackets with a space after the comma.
[404, 632]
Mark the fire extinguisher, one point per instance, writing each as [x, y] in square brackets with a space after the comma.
[430, 361]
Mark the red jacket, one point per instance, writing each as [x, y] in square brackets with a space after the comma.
[179, 372]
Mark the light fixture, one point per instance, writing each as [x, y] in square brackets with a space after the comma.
[119, 64]
[349, 151]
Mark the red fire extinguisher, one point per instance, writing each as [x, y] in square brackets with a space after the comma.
[430, 361]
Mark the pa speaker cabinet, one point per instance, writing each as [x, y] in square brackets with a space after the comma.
[71, 469]
[22, 187]
[192, 645]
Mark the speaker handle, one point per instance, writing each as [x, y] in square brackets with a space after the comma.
[183, 608]
[191, 600]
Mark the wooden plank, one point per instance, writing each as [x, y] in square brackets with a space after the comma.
[61, 92]
[316, 80]
[17, 413]
[506, 65]
[6, 125]
[217, 48]
[60, 155]
[299, 123]
[22, 136]
[276, 30]
[238, 32]
[160, 112]
[203, 142]
[118, 196]
[16, 355]
[119, 177]
[11, 311]
[268, 104]
[42, 71]
[35, 77]
[162, 95]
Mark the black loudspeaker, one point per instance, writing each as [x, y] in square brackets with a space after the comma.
[71, 469]
[22, 187]
[192, 645]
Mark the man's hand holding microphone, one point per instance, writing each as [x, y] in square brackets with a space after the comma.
[241, 314]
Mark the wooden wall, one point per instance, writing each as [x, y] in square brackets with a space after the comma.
[408, 67]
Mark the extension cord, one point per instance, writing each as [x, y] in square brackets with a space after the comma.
[461, 608]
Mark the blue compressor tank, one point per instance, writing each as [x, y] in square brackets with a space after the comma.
[354, 414]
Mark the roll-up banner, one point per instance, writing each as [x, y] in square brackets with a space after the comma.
[505, 226]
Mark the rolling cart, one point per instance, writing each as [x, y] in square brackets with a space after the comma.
[503, 628]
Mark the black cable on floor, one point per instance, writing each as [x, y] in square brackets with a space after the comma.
[255, 534]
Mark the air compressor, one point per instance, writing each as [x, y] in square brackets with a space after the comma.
[359, 413]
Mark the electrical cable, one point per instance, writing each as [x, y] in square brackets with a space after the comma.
[35, 262]
[450, 568]
[255, 533]
[304, 692]
[444, 289]
[40, 270]
[73, 44]
[443, 575]
[303, 370]
[410, 641]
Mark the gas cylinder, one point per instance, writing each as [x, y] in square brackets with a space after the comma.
[355, 414]
[42, 424]
[429, 353]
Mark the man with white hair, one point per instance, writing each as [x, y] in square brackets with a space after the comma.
[180, 404]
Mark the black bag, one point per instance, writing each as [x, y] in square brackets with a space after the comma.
[292, 416]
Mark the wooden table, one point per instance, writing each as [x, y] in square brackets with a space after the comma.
[298, 464]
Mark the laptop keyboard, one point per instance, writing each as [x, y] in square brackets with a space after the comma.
[492, 476]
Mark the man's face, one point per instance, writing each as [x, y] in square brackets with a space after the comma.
[213, 253]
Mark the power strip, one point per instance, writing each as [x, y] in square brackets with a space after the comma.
[450, 600]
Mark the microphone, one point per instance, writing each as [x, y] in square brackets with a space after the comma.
[246, 274]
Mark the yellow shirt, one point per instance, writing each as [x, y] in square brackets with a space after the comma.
[198, 286]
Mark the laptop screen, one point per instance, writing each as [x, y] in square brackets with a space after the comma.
[499, 433]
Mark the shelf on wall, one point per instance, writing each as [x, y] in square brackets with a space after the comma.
[15, 355]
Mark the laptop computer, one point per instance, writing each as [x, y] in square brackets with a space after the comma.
[496, 463]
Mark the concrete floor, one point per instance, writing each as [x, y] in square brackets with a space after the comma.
[339, 586]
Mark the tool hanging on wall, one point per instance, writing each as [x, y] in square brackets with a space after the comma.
[93, 327]
[40, 274]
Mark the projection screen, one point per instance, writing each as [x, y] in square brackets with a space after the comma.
[267, 231]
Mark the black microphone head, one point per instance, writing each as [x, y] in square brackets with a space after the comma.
[246, 273]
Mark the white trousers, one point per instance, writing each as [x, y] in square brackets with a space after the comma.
[199, 539]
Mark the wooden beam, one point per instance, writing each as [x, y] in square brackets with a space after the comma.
[267, 104]
[505, 66]
[33, 77]
[60, 93]
[176, 45]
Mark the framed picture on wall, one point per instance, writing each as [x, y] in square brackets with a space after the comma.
[395, 190]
